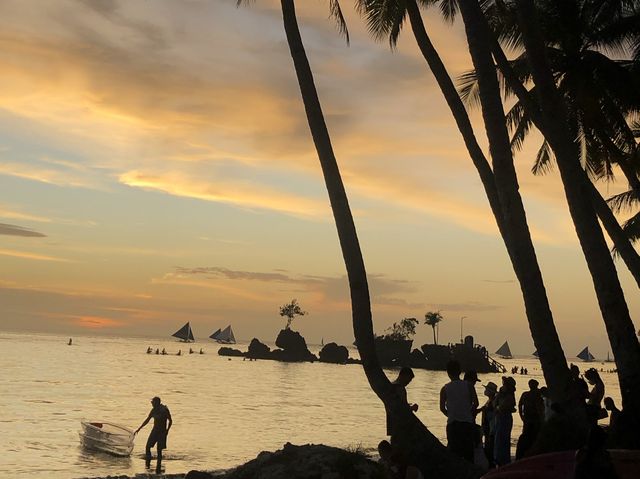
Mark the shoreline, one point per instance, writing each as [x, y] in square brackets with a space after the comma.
[306, 460]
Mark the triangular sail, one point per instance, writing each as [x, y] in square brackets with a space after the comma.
[504, 350]
[184, 333]
[585, 355]
[216, 334]
[226, 336]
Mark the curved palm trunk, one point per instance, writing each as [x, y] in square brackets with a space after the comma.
[409, 433]
[508, 210]
[613, 306]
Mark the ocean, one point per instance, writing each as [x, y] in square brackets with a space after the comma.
[225, 410]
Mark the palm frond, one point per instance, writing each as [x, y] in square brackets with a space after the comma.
[384, 18]
[335, 12]
[468, 88]
[544, 160]
[623, 201]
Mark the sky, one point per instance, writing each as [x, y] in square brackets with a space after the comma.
[156, 168]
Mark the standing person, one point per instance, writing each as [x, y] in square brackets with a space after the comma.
[505, 406]
[405, 376]
[531, 411]
[458, 401]
[488, 421]
[595, 396]
[162, 422]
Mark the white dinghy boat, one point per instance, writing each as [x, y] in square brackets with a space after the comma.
[107, 437]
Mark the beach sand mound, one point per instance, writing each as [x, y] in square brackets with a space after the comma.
[311, 461]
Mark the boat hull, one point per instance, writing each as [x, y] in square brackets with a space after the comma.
[107, 437]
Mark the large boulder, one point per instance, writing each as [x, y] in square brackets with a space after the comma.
[332, 353]
[293, 346]
[258, 350]
[225, 351]
[310, 462]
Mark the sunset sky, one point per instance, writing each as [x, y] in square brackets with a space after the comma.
[156, 168]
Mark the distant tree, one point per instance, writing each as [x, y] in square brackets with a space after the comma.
[290, 311]
[432, 318]
[405, 329]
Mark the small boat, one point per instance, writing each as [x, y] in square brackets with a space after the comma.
[585, 355]
[107, 437]
[609, 360]
[184, 334]
[225, 336]
[504, 352]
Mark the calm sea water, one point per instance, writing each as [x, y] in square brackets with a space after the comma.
[225, 411]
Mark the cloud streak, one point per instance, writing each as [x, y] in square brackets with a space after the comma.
[14, 230]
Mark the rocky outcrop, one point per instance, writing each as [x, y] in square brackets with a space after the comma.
[312, 461]
[332, 353]
[225, 351]
[293, 347]
[417, 359]
[393, 352]
[258, 350]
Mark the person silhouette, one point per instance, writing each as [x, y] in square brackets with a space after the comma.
[405, 376]
[458, 402]
[162, 422]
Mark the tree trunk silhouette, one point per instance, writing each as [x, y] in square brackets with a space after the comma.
[613, 306]
[512, 214]
[408, 432]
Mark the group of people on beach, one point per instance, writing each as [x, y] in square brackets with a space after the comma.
[165, 353]
[519, 370]
[488, 444]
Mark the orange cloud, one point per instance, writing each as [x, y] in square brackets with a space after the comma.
[96, 322]
[32, 256]
[245, 195]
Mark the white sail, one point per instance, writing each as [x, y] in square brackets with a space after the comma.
[216, 334]
[504, 350]
[184, 333]
[585, 355]
[226, 336]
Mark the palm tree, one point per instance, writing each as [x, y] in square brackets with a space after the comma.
[433, 318]
[409, 433]
[558, 128]
[385, 19]
[595, 87]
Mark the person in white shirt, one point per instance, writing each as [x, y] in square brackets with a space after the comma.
[458, 401]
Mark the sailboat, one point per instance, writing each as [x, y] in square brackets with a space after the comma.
[504, 351]
[184, 334]
[585, 355]
[609, 360]
[225, 336]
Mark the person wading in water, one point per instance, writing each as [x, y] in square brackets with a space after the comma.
[161, 424]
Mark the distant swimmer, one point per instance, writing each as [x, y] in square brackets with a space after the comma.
[157, 351]
[70, 342]
[164, 351]
[201, 351]
[179, 353]
[162, 422]
[149, 350]
[190, 350]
